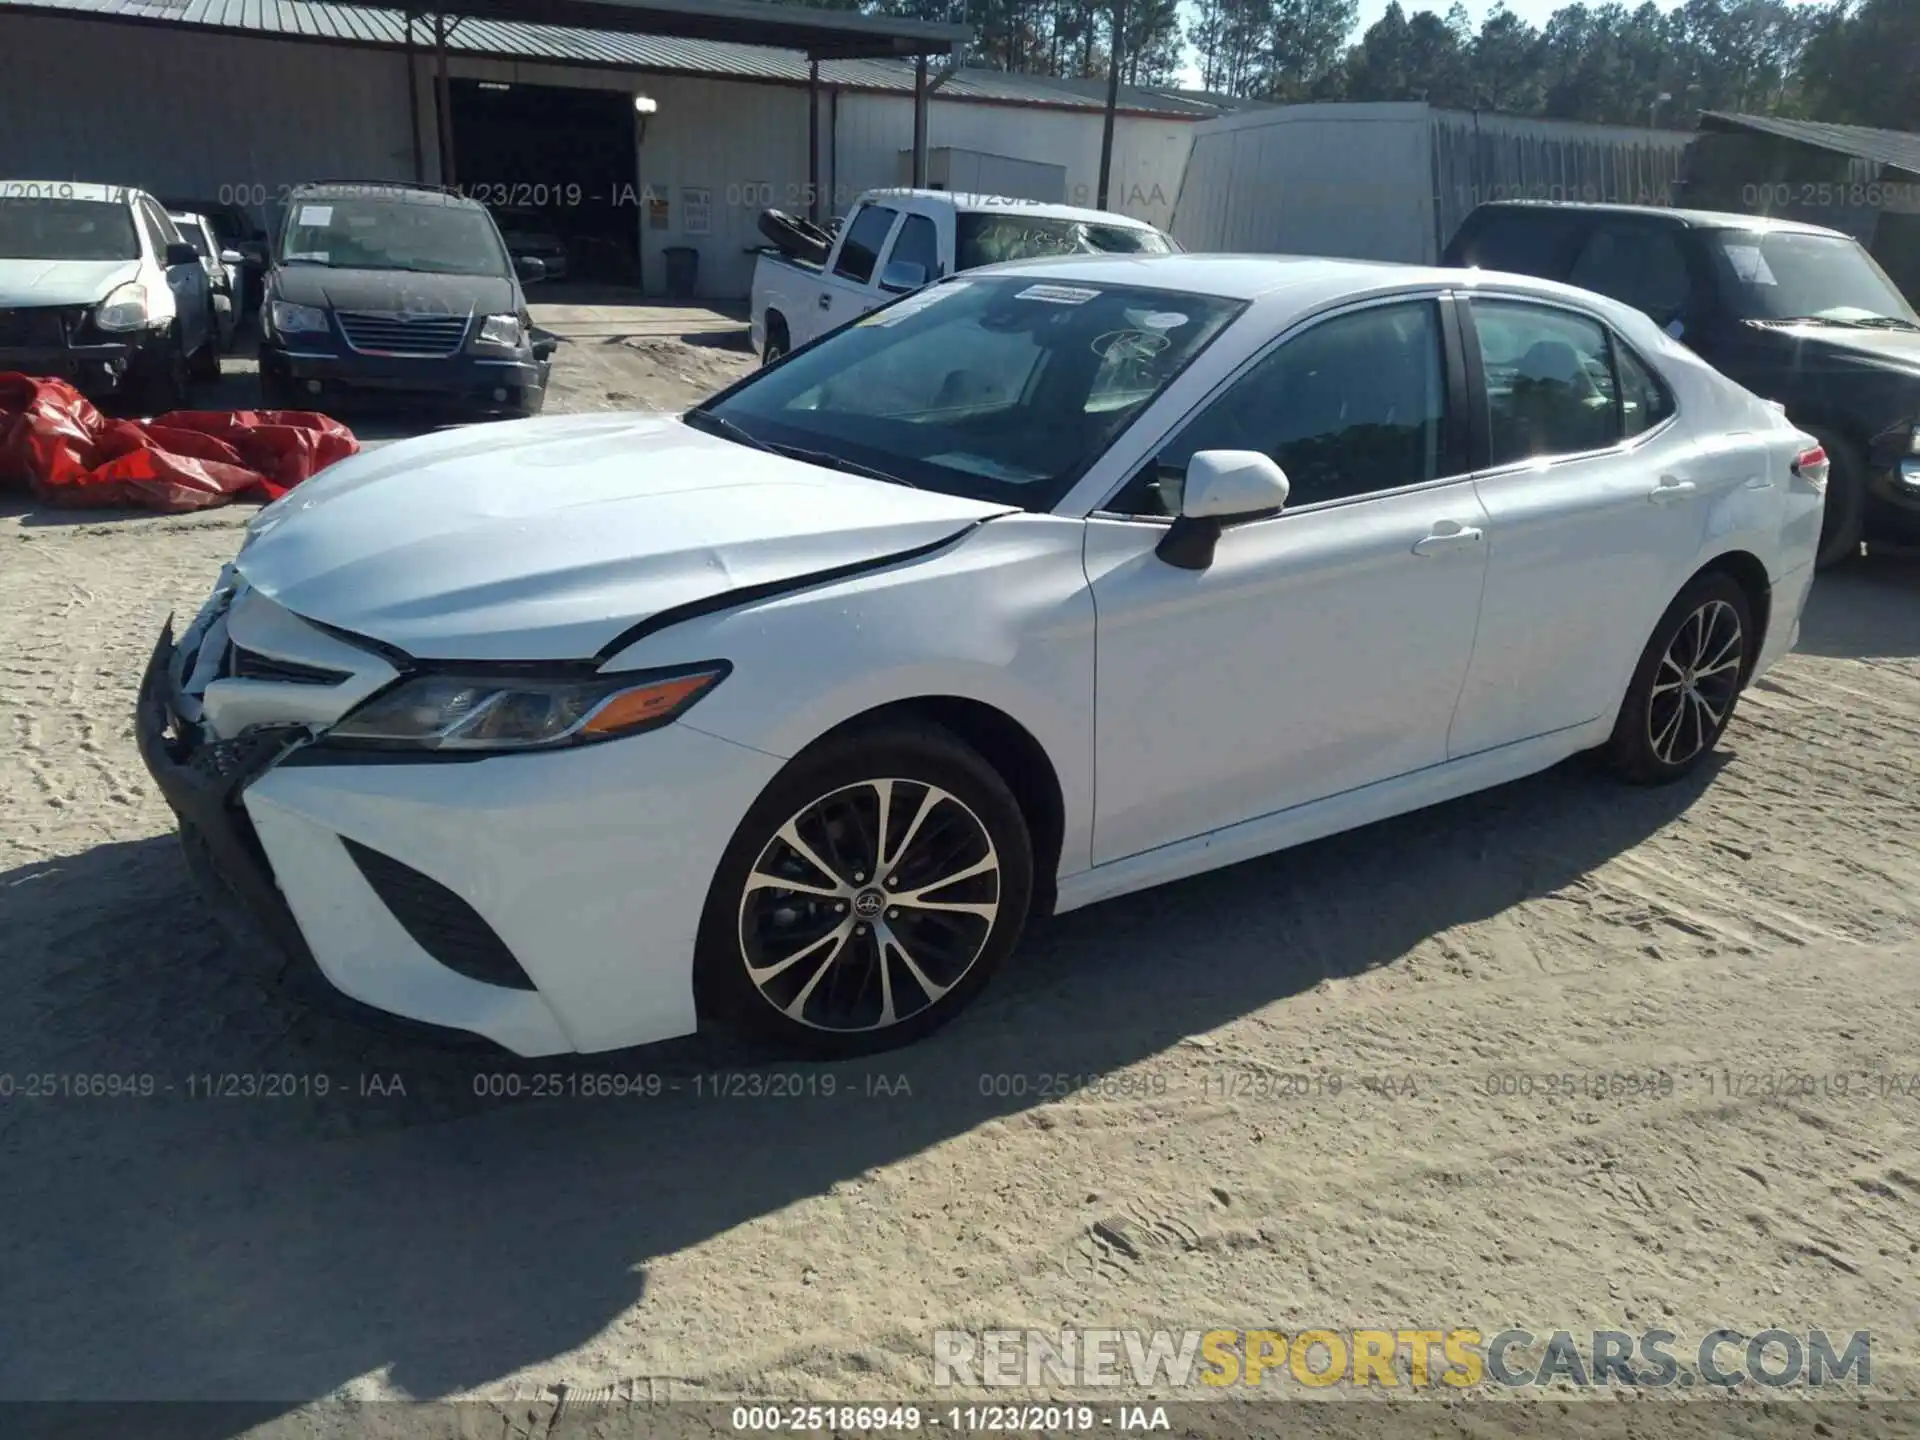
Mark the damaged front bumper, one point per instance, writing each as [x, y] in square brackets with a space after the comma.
[202, 784]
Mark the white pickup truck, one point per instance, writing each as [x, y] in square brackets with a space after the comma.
[895, 241]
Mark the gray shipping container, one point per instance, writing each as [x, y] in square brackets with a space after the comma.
[1393, 181]
[975, 172]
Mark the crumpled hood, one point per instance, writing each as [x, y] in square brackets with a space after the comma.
[545, 539]
[413, 292]
[26, 283]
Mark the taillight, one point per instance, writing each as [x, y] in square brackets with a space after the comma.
[1812, 466]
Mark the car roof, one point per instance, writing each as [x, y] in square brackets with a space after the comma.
[1227, 277]
[1690, 219]
[66, 190]
[1009, 205]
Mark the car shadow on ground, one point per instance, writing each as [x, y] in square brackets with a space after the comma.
[1866, 609]
[277, 1248]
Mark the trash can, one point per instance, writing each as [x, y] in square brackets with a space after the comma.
[683, 271]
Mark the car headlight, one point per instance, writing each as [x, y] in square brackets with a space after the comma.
[451, 711]
[506, 331]
[125, 309]
[291, 319]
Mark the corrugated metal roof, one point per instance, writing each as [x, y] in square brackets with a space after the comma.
[362, 25]
[1898, 148]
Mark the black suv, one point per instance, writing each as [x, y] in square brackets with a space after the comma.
[399, 290]
[1796, 313]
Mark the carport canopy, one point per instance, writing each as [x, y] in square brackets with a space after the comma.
[822, 34]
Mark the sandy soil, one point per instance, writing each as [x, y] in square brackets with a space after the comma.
[1759, 921]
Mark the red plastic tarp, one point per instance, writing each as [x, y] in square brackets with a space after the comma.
[66, 452]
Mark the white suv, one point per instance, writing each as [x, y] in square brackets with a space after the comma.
[99, 288]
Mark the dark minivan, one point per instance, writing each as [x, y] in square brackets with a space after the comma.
[398, 290]
[1795, 313]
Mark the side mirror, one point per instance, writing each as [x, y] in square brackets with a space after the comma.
[529, 268]
[1221, 486]
[901, 276]
[231, 257]
[180, 253]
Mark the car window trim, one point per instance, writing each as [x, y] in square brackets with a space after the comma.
[1455, 395]
[1483, 451]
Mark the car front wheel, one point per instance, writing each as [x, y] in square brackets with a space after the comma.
[868, 895]
[1685, 686]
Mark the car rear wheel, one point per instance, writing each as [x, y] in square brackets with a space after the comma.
[867, 896]
[1845, 520]
[776, 347]
[1686, 684]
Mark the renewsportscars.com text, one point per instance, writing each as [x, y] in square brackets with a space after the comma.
[1416, 1358]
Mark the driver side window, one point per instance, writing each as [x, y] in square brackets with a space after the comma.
[1355, 405]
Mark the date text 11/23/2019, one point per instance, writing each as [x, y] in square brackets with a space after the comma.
[1002, 1419]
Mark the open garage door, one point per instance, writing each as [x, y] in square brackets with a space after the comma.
[559, 169]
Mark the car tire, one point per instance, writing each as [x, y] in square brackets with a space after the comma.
[1686, 685]
[1844, 524]
[164, 386]
[898, 956]
[777, 344]
[277, 394]
[205, 364]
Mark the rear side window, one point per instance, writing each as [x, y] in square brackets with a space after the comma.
[1550, 383]
[1639, 265]
[1524, 241]
[1644, 400]
[866, 233]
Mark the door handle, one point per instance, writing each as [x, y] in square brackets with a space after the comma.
[1447, 535]
[1671, 488]
[826, 300]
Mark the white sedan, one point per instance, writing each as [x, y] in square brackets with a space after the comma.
[1042, 585]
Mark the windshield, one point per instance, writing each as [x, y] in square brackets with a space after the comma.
[1000, 388]
[1783, 275]
[982, 238]
[38, 228]
[368, 232]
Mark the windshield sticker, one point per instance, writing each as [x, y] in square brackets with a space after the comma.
[1749, 264]
[1058, 294]
[913, 304]
[316, 215]
[1161, 320]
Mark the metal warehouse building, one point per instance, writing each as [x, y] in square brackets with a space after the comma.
[238, 100]
[1393, 180]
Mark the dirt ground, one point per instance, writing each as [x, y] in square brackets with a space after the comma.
[1756, 930]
